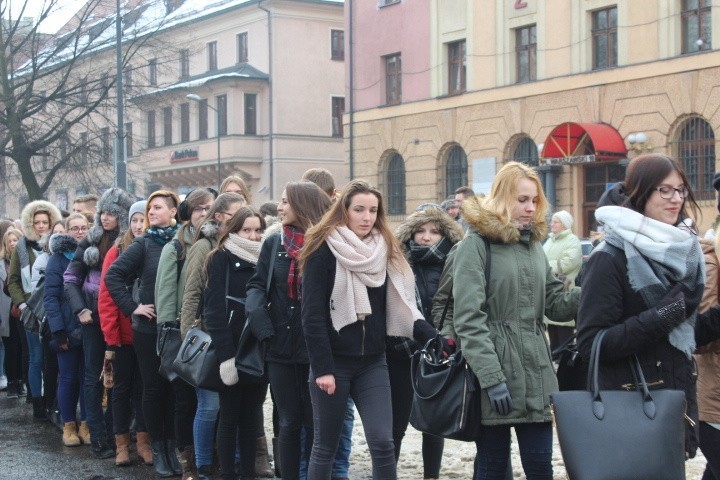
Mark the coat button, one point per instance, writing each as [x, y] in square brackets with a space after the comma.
[237, 264]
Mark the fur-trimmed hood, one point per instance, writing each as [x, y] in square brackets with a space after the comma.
[117, 202]
[62, 243]
[29, 212]
[210, 229]
[491, 226]
[449, 228]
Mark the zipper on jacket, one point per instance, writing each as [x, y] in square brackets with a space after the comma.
[463, 409]
[362, 344]
[632, 386]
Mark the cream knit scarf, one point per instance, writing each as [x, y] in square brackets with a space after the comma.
[362, 264]
[243, 248]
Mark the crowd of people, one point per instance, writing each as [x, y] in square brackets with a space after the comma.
[322, 268]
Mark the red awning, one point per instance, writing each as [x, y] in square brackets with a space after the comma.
[575, 139]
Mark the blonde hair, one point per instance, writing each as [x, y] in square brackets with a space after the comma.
[4, 253]
[503, 194]
[241, 183]
[75, 216]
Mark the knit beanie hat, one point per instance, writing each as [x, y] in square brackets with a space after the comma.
[137, 207]
[565, 218]
[117, 202]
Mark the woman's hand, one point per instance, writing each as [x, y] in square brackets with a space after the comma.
[85, 317]
[326, 383]
[145, 310]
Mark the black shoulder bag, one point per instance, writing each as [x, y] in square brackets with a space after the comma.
[446, 400]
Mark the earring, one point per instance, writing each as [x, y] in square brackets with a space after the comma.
[173, 222]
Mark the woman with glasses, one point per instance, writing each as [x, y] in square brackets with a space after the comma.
[644, 283]
[168, 300]
[82, 284]
[193, 282]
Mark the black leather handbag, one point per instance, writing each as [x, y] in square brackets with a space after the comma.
[33, 315]
[168, 346]
[197, 362]
[621, 435]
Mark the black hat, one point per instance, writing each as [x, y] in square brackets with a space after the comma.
[716, 182]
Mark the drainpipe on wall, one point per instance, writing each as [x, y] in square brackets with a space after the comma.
[270, 101]
[351, 51]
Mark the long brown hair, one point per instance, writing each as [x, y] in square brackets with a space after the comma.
[338, 215]
[220, 205]
[645, 172]
[234, 225]
[308, 202]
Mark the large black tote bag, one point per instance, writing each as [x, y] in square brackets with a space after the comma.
[621, 435]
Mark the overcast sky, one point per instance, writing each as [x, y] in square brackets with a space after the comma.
[62, 11]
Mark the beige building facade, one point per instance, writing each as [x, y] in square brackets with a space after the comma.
[572, 87]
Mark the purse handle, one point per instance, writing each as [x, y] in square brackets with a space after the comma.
[640, 384]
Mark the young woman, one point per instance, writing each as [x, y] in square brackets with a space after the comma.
[235, 184]
[502, 333]
[140, 261]
[82, 285]
[65, 327]
[644, 284]
[426, 236]
[169, 286]
[301, 206]
[13, 339]
[37, 218]
[118, 335]
[357, 289]
[228, 269]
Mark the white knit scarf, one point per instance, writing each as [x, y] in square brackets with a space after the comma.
[362, 264]
[243, 248]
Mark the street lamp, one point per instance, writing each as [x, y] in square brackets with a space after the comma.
[197, 98]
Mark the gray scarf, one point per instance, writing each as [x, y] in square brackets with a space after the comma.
[659, 256]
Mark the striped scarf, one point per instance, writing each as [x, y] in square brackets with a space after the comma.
[293, 240]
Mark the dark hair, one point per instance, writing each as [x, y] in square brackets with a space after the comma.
[233, 226]
[322, 178]
[465, 191]
[308, 202]
[269, 209]
[192, 200]
[221, 204]
[645, 172]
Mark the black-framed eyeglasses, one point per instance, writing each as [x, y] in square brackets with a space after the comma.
[667, 192]
[227, 213]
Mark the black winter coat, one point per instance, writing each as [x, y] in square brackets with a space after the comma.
[362, 338]
[139, 260]
[224, 320]
[287, 344]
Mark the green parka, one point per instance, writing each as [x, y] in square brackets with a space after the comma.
[169, 286]
[504, 339]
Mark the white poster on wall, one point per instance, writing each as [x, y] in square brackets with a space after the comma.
[483, 174]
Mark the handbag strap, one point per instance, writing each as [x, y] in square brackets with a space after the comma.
[274, 253]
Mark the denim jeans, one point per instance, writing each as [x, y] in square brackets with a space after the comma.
[35, 352]
[72, 374]
[493, 451]
[94, 352]
[206, 415]
[365, 379]
[341, 464]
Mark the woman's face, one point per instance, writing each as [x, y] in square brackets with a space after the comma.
[41, 223]
[362, 213]
[136, 224]
[12, 242]
[526, 200]
[666, 210]
[58, 228]
[78, 228]
[222, 217]
[159, 214]
[108, 221]
[285, 211]
[556, 226]
[233, 187]
[427, 235]
[199, 212]
[251, 229]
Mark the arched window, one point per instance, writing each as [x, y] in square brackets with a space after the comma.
[526, 152]
[695, 150]
[396, 185]
[456, 170]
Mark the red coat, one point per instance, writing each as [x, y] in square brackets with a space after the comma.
[114, 323]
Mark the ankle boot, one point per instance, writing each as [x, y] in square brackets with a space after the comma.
[173, 461]
[143, 448]
[262, 465]
[84, 432]
[187, 463]
[204, 472]
[38, 404]
[276, 457]
[122, 450]
[160, 461]
[70, 437]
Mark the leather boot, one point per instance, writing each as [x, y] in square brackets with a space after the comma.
[172, 457]
[70, 437]
[205, 472]
[262, 465]
[276, 457]
[143, 448]
[38, 404]
[160, 461]
[187, 462]
[122, 450]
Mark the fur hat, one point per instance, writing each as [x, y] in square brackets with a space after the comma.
[137, 207]
[115, 201]
[565, 218]
[28, 213]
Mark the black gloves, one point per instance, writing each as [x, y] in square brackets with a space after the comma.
[670, 311]
[448, 346]
[500, 399]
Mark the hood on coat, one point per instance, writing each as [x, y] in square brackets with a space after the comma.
[489, 225]
[62, 243]
[44, 241]
[29, 212]
[117, 202]
[449, 228]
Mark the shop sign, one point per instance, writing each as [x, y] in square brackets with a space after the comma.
[184, 155]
